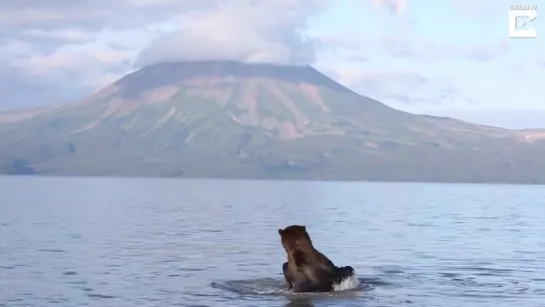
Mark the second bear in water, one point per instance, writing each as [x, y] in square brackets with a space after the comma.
[308, 270]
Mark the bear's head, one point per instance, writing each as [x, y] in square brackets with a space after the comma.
[294, 235]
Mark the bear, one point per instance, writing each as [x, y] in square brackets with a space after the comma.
[308, 270]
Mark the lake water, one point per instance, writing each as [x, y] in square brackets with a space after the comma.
[169, 242]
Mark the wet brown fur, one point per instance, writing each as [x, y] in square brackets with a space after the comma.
[307, 269]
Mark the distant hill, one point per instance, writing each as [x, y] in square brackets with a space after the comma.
[233, 120]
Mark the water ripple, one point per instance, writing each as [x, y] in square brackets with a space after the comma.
[154, 242]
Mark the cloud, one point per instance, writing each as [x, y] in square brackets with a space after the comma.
[67, 46]
[19, 89]
[60, 36]
[77, 46]
[68, 60]
[412, 47]
[71, 59]
[483, 9]
[397, 86]
[21, 15]
[396, 7]
[31, 78]
[247, 31]
[425, 50]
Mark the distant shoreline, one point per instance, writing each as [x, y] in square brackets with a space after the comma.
[269, 179]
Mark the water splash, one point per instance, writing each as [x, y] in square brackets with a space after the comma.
[348, 283]
[269, 286]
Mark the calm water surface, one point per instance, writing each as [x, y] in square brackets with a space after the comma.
[154, 242]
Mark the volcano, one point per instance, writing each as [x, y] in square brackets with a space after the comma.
[222, 119]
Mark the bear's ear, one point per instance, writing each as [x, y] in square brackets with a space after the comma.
[304, 227]
[280, 231]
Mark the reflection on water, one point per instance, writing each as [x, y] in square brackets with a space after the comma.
[294, 302]
[156, 242]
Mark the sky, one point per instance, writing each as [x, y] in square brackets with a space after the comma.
[448, 57]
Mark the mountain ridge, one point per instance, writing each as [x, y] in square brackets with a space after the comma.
[229, 119]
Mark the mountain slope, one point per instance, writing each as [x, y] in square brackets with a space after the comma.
[235, 120]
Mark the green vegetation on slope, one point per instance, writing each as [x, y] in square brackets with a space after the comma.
[233, 120]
